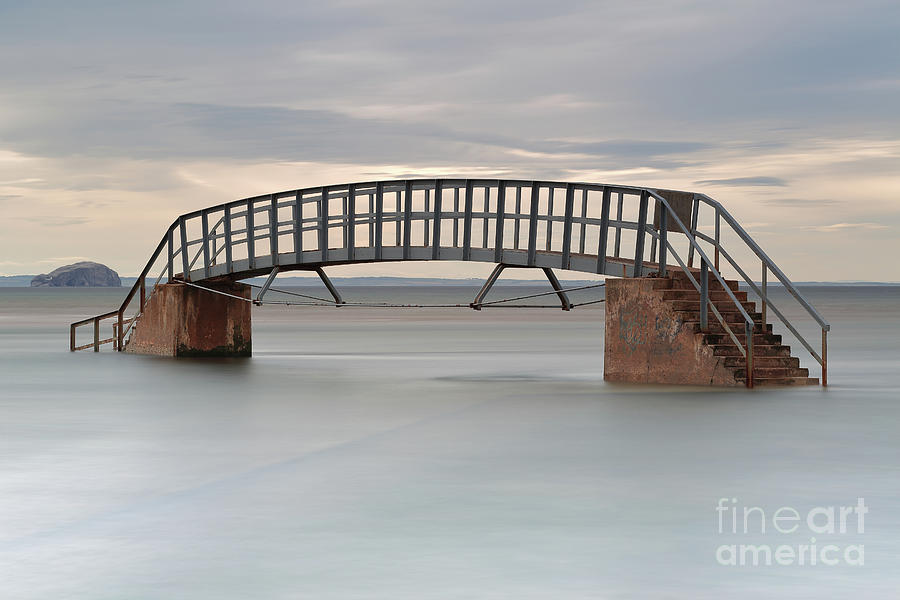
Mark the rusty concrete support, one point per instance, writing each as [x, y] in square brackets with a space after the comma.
[185, 320]
[647, 342]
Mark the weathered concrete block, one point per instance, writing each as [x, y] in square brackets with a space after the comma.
[647, 342]
[182, 320]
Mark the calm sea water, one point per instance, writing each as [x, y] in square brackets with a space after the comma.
[428, 453]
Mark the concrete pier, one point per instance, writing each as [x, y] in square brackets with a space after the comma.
[183, 320]
[647, 341]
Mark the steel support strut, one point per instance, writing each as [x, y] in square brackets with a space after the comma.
[495, 274]
[265, 288]
[488, 284]
[331, 289]
[554, 282]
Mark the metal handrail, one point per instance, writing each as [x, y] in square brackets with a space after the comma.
[721, 213]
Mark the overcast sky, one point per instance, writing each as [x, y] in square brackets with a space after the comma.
[116, 116]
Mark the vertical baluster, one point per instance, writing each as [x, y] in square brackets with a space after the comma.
[663, 238]
[694, 215]
[228, 240]
[498, 222]
[604, 231]
[398, 230]
[185, 263]
[171, 251]
[436, 234]
[532, 223]
[517, 226]
[251, 236]
[427, 220]
[581, 241]
[486, 218]
[96, 335]
[765, 293]
[467, 222]
[717, 239]
[204, 225]
[549, 220]
[455, 217]
[748, 332]
[407, 219]
[370, 220]
[619, 228]
[298, 226]
[350, 222]
[379, 219]
[567, 226]
[119, 341]
[704, 295]
[824, 357]
[273, 229]
[323, 224]
[639, 242]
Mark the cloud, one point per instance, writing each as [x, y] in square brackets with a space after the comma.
[800, 202]
[57, 221]
[745, 181]
[838, 227]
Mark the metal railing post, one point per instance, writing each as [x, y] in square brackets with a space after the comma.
[765, 293]
[694, 216]
[718, 243]
[273, 229]
[120, 331]
[704, 295]
[824, 357]
[228, 240]
[185, 259]
[171, 258]
[663, 239]
[748, 328]
[639, 242]
[71, 338]
[143, 293]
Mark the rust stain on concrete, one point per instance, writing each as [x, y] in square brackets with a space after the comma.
[647, 342]
[182, 320]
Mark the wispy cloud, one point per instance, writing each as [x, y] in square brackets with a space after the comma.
[799, 202]
[48, 221]
[745, 182]
[837, 227]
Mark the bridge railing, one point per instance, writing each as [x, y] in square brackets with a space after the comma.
[767, 265]
[586, 227]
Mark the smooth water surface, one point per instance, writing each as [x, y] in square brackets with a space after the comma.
[428, 453]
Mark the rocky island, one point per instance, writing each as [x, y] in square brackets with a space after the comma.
[80, 274]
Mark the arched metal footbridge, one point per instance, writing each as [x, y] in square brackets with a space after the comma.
[612, 230]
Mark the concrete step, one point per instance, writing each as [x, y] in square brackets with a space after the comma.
[775, 372]
[766, 381]
[716, 327]
[724, 305]
[765, 361]
[732, 317]
[681, 276]
[759, 339]
[732, 350]
[693, 294]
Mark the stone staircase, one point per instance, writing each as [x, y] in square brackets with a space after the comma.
[773, 363]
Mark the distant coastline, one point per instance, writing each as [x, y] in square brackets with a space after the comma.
[12, 281]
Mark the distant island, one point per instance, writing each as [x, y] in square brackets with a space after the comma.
[80, 274]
